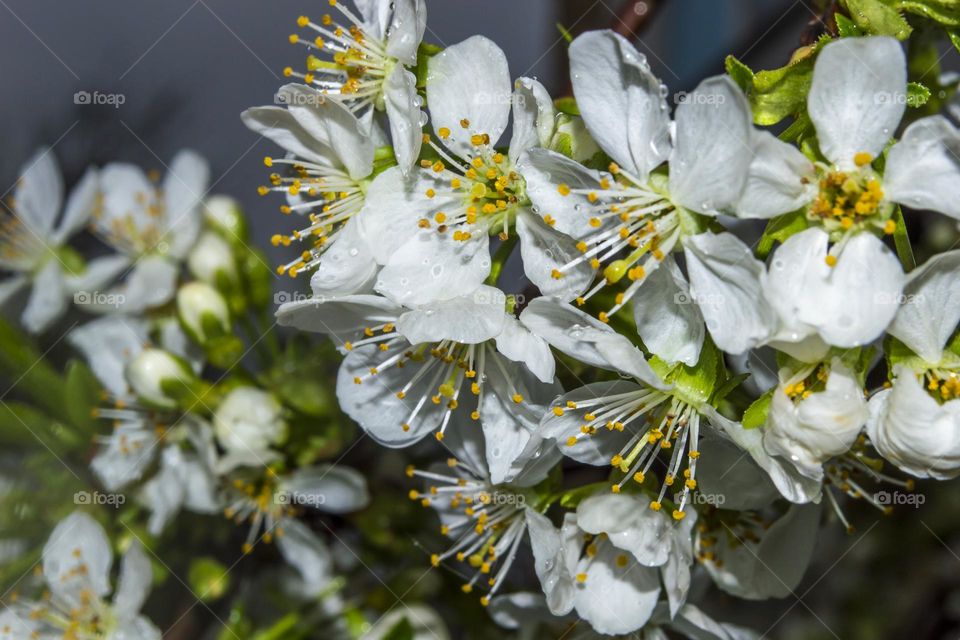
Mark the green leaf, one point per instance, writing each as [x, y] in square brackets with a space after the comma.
[778, 230]
[21, 424]
[82, 395]
[208, 578]
[902, 241]
[879, 18]
[28, 372]
[567, 105]
[724, 389]
[954, 36]
[565, 33]
[846, 27]
[756, 414]
[917, 95]
[778, 93]
[944, 12]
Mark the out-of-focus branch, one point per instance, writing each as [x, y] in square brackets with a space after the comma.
[634, 15]
[824, 22]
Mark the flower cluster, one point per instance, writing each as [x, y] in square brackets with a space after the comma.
[623, 387]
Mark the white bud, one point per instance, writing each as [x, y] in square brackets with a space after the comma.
[572, 135]
[211, 257]
[203, 311]
[151, 370]
[249, 419]
[224, 214]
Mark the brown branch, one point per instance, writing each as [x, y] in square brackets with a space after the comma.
[634, 16]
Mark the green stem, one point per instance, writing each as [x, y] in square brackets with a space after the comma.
[500, 258]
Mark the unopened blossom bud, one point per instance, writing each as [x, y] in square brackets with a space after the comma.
[212, 261]
[156, 376]
[203, 312]
[249, 419]
[225, 216]
[572, 138]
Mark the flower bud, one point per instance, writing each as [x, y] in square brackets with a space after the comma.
[211, 260]
[157, 377]
[203, 312]
[225, 216]
[249, 419]
[572, 138]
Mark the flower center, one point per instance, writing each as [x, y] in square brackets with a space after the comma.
[443, 370]
[848, 199]
[354, 65]
[328, 196]
[485, 184]
[943, 385]
[488, 540]
[20, 247]
[259, 503]
[633, 227]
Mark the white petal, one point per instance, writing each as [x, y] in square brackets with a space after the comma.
[773, 568]
[930, 307]
[432, 267]
[469, 319]
[519, 344]
[508, 426]
[616, 598]
[913, 432]
[713, 147]
[39, 192]
[151, 283]
[347, 266]
[98, 273]
[14, 627]
[125, 456]
[598, 448]
[79, 207]
[394, 205]
[820, 427]
[534, 117]
[136, 578]
[469, 81]
[549, 563]
[922, 170]
[582, 337]
[620, 101]
[341, 318]
[729, 478]
[400, 91]
[333, 126]
[784, 283]
[779, 180]
[408, 22]
[630, 524]
[725, 283]
[138, 628]
[279, 125]
[374, 404]
[668, 320]
[329, 488]
[306, 552]
[127, 196]
[77, 541]
[545, 250]
[48, 300]
[184, 187]
[857, 96]
[516, 610]
[794, 486]
[108, 344]
[544, 172]
[856, 299]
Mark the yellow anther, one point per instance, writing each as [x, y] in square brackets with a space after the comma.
[831, 260]
[564, 190]
[862, 159]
